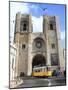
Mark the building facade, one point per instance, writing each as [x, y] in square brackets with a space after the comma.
[34, 49]
[13, 52]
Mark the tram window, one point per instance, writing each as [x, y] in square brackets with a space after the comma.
[44, 69]
[40, 70]
[36, 71]
[33, 70]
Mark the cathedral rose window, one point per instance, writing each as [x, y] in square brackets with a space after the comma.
[38, 44]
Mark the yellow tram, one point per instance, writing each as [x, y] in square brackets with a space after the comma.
[41, 72]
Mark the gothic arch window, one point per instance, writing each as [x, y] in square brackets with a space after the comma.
[53, 46]
[23, 46]
[24, 27]
[51, 26]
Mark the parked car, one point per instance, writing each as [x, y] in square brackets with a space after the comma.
[56, 73]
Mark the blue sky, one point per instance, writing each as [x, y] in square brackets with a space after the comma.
[52, 9]
[36, 10]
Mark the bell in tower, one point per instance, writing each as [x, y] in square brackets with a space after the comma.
[25, 24]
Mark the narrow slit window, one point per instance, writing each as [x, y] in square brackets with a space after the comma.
[53, 46]
[23, 46]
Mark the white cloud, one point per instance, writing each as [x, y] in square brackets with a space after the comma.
[62, 35]
[14, 8]
[18, 7]
[35, 8]
[37, 24]
[63, 39]
[23, 8]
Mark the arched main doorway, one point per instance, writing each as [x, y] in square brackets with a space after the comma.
[38, 60]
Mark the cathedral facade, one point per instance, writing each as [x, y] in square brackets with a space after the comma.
[34, 49]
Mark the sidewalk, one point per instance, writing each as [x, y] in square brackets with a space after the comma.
[15, 83]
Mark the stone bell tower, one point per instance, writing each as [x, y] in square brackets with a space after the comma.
[23, 27]
[51, 31]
